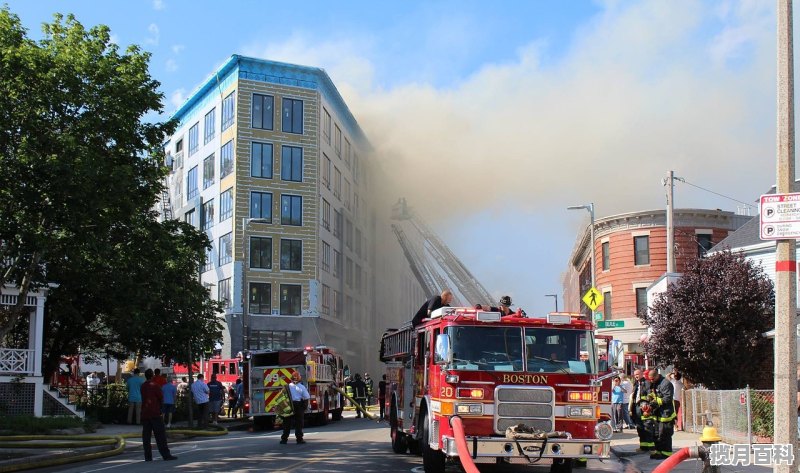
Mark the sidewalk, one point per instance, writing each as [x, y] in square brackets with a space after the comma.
[624, 445]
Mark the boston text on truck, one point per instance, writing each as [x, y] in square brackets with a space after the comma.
[486, 374]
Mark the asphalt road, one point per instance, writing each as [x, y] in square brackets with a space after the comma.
[351, 445]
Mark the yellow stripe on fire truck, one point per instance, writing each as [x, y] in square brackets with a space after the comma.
[278, 377]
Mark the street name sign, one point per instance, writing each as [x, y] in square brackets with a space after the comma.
[599, 316]
[611, 324]
[780, 216]
[593, 298]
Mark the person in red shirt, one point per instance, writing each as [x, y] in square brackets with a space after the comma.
[152, 423]
[159, 378]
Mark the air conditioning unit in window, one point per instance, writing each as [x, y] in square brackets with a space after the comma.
[276, 312]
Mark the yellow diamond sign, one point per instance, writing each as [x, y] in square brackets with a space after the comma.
[593, 298]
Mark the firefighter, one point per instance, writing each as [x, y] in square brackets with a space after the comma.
[370, 385]
[662, 411]
[348, 389]
[642, 421]
[359, 394]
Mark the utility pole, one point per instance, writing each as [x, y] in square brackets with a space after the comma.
[670, 223]
[785, 420]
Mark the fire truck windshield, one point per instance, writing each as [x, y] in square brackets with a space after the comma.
[548, 350]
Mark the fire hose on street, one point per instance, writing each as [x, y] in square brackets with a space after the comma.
[355, 404]
[461, 445]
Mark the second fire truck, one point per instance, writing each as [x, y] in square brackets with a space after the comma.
[483, 374]
[268, 371]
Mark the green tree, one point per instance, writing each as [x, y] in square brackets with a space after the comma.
[81, 174]
[709, 323]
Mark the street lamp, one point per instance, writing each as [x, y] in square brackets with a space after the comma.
[590, 208]
[245, 292]
[556, 298]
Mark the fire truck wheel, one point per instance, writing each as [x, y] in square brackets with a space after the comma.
[399, 439]
[414, 447]
[336, 414]
[325, 414]
[432, 460]
[561, 465]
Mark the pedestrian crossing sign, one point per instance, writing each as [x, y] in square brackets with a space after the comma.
[593, 298]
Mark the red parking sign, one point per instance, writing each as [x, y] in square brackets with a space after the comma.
[742, 399]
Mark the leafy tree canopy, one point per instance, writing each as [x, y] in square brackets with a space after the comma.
[709, 324]
[81, 174]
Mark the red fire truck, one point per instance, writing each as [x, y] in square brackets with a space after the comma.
[226, 369]
[268, 371]
[479, 372]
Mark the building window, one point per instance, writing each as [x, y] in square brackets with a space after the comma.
[224, 292]
[337, 224]
[347, 151]
[263, 111]
[337, 304]
[641, 301]
[326, 215]
[261, 205]
[261, 252]
[606, 259]
[208, 171]
[189, 217]
[292, 116]
[358, 242]
[191, 184]
[326, 299]
[260, 298]
[226, 205]
[326, 171]
[178, 146]
[348, 273]
[226, 159]
[348, 234]
[228, 110]
[194, 138]
[326, 256]
[326, 125]
[607, 304]
[291, 210]
[292, 163]
[703, 244]
[337, 264]
[356, 169]
[208, 264]
[357, 277]
[225, 249]
[337, 183]
[273, 340]
[208, 126]
[347, 194]
[208, 214]
[641, 248]
[337, 141]
[291, 255]
[261, 160]
[290, 299]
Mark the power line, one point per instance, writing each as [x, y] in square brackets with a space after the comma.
[715, 193]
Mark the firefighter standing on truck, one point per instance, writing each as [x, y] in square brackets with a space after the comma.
[643, 422]
[662, 410]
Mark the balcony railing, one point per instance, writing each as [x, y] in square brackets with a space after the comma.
[16, 361]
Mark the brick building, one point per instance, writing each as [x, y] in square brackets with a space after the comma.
[631, 254]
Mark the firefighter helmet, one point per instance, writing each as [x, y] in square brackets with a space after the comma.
[505, 300]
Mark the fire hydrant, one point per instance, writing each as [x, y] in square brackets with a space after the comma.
[710, 437]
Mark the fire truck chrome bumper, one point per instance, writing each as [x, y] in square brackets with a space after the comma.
[491, 447]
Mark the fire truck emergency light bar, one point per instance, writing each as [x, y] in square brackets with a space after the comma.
[480, 315]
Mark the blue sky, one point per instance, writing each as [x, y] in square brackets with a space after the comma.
[503, 114]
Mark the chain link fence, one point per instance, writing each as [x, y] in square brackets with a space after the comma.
[741, 416]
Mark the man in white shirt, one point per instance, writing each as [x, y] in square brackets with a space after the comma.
[627, 387]
[200, 393]
[300, 399]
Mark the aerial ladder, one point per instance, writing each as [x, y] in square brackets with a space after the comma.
[434, 265]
